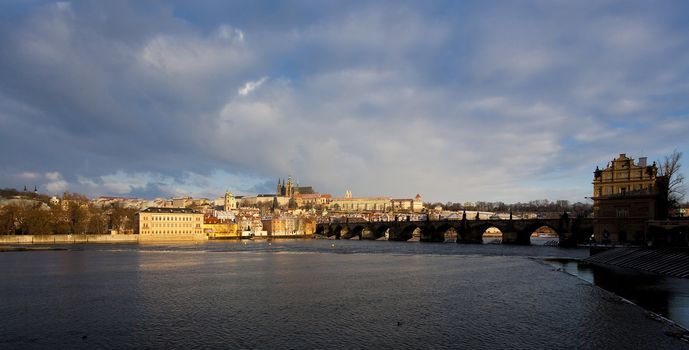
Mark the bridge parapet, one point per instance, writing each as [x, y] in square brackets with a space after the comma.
[570, 231]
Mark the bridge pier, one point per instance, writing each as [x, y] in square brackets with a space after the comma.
[510, 238]
[450, 236]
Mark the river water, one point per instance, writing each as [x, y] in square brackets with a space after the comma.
[314, 294]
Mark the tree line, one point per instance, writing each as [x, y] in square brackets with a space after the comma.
[74, 214]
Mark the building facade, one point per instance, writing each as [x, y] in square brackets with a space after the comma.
[408, 204]
[349, 203]
[289, 225]
[626, 195]
[249, 225]
[361, 204]
[170, 223]
[315, 199]
[215, 228]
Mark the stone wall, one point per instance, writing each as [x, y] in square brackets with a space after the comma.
[72, 239]
[172, 238]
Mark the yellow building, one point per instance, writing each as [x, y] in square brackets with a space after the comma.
[625, 196]
[229, 203]
[288, 225]
[408, 204]
[215, 228]
[622, 176]
[314, 199]
[170, 223]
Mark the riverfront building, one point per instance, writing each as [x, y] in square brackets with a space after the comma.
[289, 225]
[170, 223]
[215, 228]
[348, 203]
[626, 194]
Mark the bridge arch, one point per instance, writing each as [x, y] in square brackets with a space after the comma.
[539, 233]
[445, 232]
[491, 235]
[408, 232]
[356, 232]
[380, 232]
[337, 231]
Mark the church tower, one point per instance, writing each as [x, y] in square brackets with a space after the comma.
[230, 201]
[289, 187]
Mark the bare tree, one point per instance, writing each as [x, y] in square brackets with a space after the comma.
[36, 220]
[670, 167]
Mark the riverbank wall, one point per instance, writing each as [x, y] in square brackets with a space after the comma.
[669, 262]
[84, 239]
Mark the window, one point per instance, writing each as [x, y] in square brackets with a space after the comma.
[622, 212]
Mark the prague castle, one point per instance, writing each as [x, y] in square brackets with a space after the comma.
[289, 189]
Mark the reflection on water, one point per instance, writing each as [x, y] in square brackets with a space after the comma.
[664, 295]
[311, 294]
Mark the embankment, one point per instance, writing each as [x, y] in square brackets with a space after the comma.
[670, 262]
[83, 239]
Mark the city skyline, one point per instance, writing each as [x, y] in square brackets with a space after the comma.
[457, 102]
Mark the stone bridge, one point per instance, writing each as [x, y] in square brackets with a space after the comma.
[517, 231]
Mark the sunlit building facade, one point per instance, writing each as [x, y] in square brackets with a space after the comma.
[183, 223]
[626, 194]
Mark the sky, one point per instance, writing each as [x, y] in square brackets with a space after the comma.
[455, 100]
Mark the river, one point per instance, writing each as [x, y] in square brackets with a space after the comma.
[315, 294]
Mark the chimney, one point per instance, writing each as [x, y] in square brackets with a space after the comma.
[642, 161]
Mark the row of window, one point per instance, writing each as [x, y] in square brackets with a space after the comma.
[170, 218]
[170, 224]
[172, 232]
[608, 190]
[623, 175]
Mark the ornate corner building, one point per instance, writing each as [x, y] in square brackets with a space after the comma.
[626, 195]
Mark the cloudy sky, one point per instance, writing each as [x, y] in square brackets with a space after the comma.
[457, 101]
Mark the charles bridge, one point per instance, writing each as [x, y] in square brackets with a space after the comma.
[514, 231]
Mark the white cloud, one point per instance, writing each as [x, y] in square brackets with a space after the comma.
[56, 184]
[27, 175]
[626, 106]
[56, 187]
[53, 176]
[191, 55]
[250, 86]
[226, 32]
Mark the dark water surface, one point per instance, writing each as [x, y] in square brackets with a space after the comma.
[665, 295]
[312, 294]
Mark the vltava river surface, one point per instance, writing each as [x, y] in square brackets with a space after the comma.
[313, 294]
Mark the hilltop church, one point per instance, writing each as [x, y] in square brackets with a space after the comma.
[289, 189]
